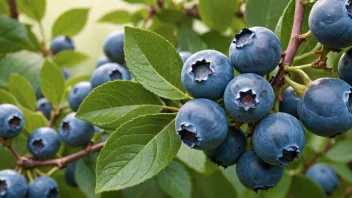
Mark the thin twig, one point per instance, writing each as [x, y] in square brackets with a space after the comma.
[329, 144]
[13, 9]
[14, 153]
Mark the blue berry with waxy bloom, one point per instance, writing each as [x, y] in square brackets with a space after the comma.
[109, 72]
[230, 150]
[113, 47]
[279, 139]
[255, 50]
[205, 74]
[289, 102]
[255, 174]
[61, 43]
[75, 132]
[345, 67]
[44, 143]
[12, 184]
[65, 72]
[326, 106]
[201, 124]
[44, 106]
[43, 187]
[102, 60]
[70, 175]
[78, 93]
[334, 16]
[185, 55]
[11, 121]
[325, 176]
[249, 98]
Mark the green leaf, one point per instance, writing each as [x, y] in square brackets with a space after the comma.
[34, 9]
[196, 160]
[154, 63]
[116, 17]
[23, 91]
[166, 30]
[170, 16]
[66, 191]
[71, 22]
[26, 64]
[13, 36]
[138, 16]
[4, 8]
[149, 188]
[281, 189]
[212, 186]
[69, 58]
[341, 152]
[33, 39]
[52, 82]
[175, 180]
[231, 175]
[137, 151]
[264, 13]
[304, 187]
[191, 41]
[216, 41]
[85, 175]
[343, 171]
[6, 97]
[148, 2]
[117, 102]
[217, 14]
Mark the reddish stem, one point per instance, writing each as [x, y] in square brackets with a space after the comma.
[13, 9]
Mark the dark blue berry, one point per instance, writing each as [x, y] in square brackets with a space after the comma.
[78, 93]
[249, 98]
[345, 67]
[201, 124]
[44, 143]
[289, 102]
[70, 175]
[102, 60]
[325, 176]
[205, 74]
[44, 106]
[113, 47]
[109, 72]
[61, 43]
[65, 72]
[11, 121]
[43, 187]
[12, 184]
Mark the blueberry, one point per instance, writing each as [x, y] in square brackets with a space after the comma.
[185, 55]
[345, 67]
[113, 47]
[44, 106]
[109, 72]
[290, 102]
[205, 74]
[326, 106]
[44, 143]
[78, 93]
[230, 150]
[75, 132]
[12, 184]
[249, 98]
[61, 43]
[325, 176]
[201, 124]
[255, 174]
[279, 139]
[43, 187]
[11, 121]
[255, 50]
[334, 16]
[65, 72]
[102, 60]
[70, 175]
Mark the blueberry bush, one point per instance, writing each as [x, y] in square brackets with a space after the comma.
[192, 98]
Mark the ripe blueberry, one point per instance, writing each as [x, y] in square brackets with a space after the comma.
[70, 175]
[249, 98]
[109, 72]
[325, 176]
[78, 93]
[255, 174]
[334, 16]
[345, 67]
[113, 47]
[11, 121]
[205, 74]
[65, 72]
[102, 60]
[290, 102]
[61, 43]
[326, 106]
[279, 139]
[201, 124]
[44, 106]
[230, 150]
[12, 184]
[185, 55]
[75, 132]
[43, 187]
[44, 143]
[255, 50]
